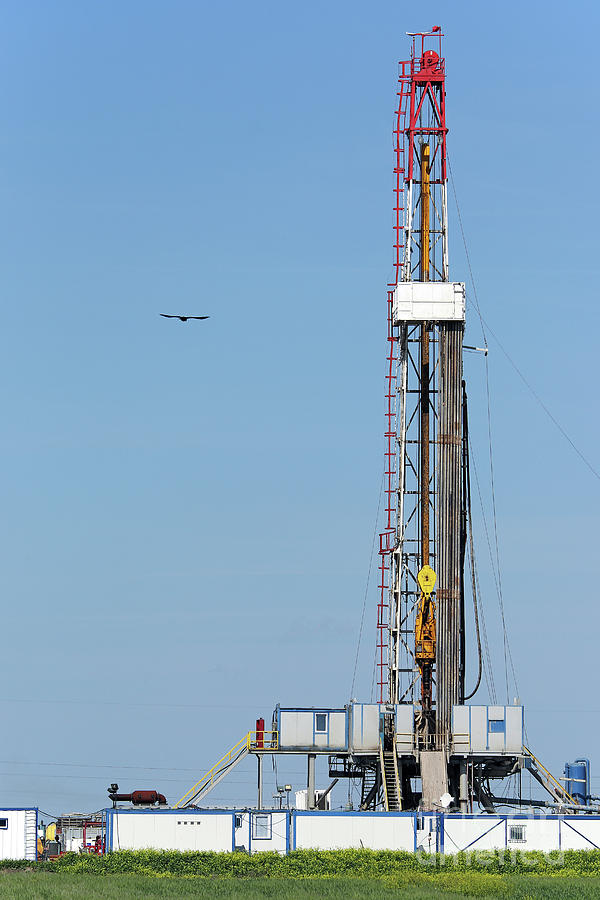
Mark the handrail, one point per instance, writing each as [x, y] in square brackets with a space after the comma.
[251, 742]
[383, 778]
[551, 777]
[397, 778]
[263, 740]
[240, 747]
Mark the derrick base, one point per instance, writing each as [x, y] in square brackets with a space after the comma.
[382, 746]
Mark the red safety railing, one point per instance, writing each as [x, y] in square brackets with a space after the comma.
[387, 538]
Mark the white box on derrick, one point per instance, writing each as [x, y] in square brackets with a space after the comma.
[429, 301]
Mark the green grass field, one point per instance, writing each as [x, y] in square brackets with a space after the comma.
[47, 885]
[303, 874]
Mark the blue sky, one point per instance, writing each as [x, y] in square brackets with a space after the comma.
[188, 510]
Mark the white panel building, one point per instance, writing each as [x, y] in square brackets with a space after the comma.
[254, 831]
[18, 833]
[197, 829]
[312, 730]
[356, 728]
[343, 830]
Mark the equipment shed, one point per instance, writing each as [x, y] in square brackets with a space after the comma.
[197, 829]
[279, 830]
[18, 833]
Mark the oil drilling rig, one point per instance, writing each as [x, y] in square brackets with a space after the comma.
[421, 745]
[421, 648]
[421, 610]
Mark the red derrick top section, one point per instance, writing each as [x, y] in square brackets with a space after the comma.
[431, 67]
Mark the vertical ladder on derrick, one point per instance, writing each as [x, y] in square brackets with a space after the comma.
[389, 537]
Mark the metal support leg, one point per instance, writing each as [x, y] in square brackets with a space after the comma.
[464, 787]
[259, 760]
[310, 783]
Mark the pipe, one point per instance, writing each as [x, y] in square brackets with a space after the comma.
[259, 761]
[426, 680]
[425, 212]
[515, 801]
[424, 479]
[310, 782]
[322, 804]
[449, 555]
[464, 787]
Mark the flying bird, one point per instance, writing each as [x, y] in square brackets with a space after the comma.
[182, 318]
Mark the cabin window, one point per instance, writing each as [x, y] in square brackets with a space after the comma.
[321, 723]
[4, 823]
[261, 827]
[496, 726]
[517, 833]
[238, 821]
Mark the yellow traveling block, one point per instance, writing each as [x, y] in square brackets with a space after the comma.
[425, 636]
[427, 579]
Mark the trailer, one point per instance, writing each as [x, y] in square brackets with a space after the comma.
[255, 831]
[18, 833]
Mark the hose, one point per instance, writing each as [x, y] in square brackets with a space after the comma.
[472, 559]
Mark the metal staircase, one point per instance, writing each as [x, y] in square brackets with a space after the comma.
[547, 780]
[391, 781]
[253, 742]
[370, 788]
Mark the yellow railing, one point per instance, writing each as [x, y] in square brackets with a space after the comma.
[557, 785]
[211, 775]
[250, 743]
[263, 740]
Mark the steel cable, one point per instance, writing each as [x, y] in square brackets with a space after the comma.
[484, 326]
[473, 576]
[497, 573]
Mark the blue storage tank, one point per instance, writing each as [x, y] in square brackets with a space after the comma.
[577, 780]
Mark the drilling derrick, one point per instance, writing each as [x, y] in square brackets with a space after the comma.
[421, 639]
[420, 746]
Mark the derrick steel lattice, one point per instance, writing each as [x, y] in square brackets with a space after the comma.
[423, 409]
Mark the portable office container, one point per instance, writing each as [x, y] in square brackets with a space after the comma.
[18, 833]
[312, 730]
[487, 729]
